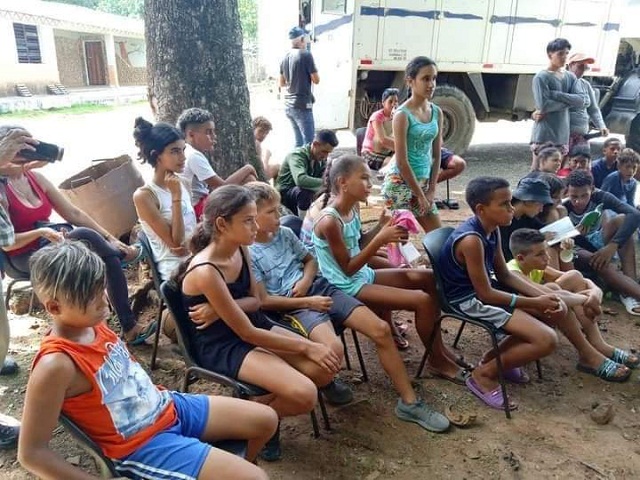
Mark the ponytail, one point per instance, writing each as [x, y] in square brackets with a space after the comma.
[325, 193]
[202, 236]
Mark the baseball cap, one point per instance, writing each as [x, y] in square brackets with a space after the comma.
[580, 57]
[533, 190]
[297, 32]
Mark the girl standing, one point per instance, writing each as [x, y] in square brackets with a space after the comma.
[417, 125]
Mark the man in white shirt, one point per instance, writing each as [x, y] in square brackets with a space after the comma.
[199, 131]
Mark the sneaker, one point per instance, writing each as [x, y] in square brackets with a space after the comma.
[9, 367]
[423, 415]
[337, 393]
[271, 450]
[8, 434]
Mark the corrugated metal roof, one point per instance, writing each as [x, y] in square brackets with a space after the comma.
[70, 17]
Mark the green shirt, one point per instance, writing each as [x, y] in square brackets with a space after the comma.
[299, 170]
[536, 276]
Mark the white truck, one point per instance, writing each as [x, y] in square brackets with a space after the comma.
[487, 52]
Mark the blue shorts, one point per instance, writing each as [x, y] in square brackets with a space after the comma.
[445, 157]
[176, 453]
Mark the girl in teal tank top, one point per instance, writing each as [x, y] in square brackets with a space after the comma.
[343, 254]
[417, 126]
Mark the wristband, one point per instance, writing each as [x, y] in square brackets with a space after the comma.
[514, 297]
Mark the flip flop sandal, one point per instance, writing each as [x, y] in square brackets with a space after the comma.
[493, 398]
[630, 304]
[401, 342]
[451, 204]
[517, 375]
[439, 203]
[459, 379]
[401, 327]
[136, 259]
[143, 335]
[606, 371]
[461, 362]
[623, 357]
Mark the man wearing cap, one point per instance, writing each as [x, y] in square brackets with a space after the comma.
[297, 72]
[528, 200]
[579, 116]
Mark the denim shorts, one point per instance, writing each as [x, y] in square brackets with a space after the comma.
[176, 453]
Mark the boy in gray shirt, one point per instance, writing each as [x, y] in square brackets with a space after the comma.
[554, 93]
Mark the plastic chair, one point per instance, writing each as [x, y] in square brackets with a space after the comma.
[157, 281]
[433, 242]
[173, 299]
[16, 276]
[105, 465]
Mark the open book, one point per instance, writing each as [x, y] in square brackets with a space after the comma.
[561, 229]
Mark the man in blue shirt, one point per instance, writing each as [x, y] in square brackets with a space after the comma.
[607, 164]
[622, 184]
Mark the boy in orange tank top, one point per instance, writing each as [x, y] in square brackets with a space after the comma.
[85, 371]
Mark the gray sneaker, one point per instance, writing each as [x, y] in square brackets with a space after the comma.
[423, 415]
[337, 393]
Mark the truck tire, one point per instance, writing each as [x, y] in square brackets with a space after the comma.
[458, 117]
[632, 139]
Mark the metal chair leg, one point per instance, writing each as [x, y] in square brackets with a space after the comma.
[501, 380]
[8, 294]
[539, 368]
[458, 335]
[156, 339]
[314, 424]
[423, 362]
[323, 411]
[363, 368]
[347, 360]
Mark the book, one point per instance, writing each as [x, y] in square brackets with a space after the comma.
[561, 230]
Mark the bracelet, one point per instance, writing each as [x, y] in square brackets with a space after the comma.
[176, 201]
[514, 297]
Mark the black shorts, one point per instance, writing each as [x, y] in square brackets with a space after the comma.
[305, 320]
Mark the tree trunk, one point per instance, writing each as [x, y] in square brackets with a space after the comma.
[194, 59]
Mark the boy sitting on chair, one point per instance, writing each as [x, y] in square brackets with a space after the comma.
[596, 357]
[468, 257]
[85, 371]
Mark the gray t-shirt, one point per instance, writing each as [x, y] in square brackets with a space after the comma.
[554, 94]
[579, 116]
[297, 67]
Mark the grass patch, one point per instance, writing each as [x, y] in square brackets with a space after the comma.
[79, 109]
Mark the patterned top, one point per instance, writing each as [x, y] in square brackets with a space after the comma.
[420, 137]
[7, 236]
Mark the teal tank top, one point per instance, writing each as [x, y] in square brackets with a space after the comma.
[327, 264]
[420, 137]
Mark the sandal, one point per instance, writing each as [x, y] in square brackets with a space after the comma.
[459, 379]
[401, 342]
[401, 327]
[143, 334]
[451, 204]
[517, 375]
[630, 304]
[607, 371]
[138, 257]
[493, 398]
[439, 203]
[625, 358]
[462, 363]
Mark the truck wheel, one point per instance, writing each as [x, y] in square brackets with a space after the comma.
[458, 119]
[632, 139]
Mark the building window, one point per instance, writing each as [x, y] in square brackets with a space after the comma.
[27, 43]
[334, 6]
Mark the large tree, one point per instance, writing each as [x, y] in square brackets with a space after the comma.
[194, 59]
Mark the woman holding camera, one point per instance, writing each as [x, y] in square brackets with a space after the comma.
[30, 199]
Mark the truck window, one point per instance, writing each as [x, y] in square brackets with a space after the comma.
[334, 6]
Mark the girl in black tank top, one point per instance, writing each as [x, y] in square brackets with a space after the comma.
[236, 340]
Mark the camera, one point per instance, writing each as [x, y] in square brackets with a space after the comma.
[43, 151]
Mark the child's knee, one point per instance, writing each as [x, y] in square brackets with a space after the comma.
[303, 395]
[547, 341]
[337, 347]
[380, 333]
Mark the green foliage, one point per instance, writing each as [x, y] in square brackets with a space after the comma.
[248, 10]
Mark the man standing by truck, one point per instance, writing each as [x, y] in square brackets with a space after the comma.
[297, 72]
[554, 93]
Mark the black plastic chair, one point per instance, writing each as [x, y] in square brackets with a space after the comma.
[16, 276]
[173, 299]
[157, 281]
[105, 465]
[433, 242]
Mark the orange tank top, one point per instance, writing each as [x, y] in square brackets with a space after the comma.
[124, 409]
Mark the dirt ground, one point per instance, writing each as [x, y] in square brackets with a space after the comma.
[551, 435]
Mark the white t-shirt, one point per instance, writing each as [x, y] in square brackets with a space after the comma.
[196, 170]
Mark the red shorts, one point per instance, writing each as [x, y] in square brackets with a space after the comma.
[199, 207]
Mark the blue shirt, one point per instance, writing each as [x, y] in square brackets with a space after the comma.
[625, 191]
[600, 171]
[457, 283]
[278, 263]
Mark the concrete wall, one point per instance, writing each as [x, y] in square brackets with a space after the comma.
[35, 75]
[71, 65]
[131, 61]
